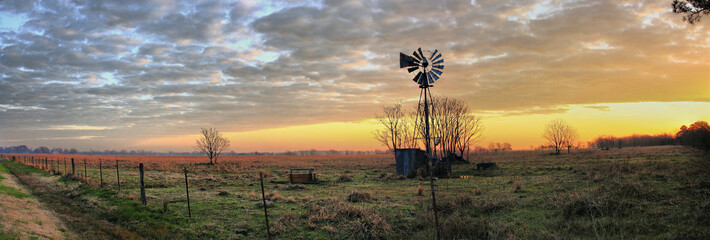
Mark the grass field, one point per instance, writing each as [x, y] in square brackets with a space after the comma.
[638, 193]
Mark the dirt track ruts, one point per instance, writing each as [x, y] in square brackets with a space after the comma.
[72, 211]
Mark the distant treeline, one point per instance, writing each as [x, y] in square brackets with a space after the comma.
[636, 140]
[46, 150]
[697, 136]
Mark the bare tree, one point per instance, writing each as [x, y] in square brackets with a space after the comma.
[453, 127]
[396, 133]
[559, 133]
[693, 9]
[471, 133]
[212, 143]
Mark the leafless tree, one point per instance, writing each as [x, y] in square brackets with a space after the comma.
[693, 9]
[212, 143]
[559, 133]
[397, 128]
[453, 127]
[472, 131]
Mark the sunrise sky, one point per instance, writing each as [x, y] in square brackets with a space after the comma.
[294, 75]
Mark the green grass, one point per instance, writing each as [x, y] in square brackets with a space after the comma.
[13, 192]
[8, 235]
[10, 191]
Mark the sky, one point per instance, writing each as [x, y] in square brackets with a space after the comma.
[294, 75]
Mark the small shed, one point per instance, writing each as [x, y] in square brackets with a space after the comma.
[409, 160]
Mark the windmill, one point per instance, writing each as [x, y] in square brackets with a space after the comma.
[429, 70]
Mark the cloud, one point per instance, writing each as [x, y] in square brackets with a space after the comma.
[78, 127]
[156, 68]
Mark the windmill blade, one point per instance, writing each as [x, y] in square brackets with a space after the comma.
[431, 79]
[421, 54]
[436, 71]
[438, 66]
[436, 58]
[416, 78]
[416, 55]
[439, 62]
[434, 53]
[407, 61]
[412, 69]
[422, 78]
[432, 74]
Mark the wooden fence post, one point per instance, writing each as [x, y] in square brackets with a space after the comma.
[73, 173]
[85, 176]
[263, 201]
[187, 192]
[46, 165]
[118, 177]
[101, 175]
[143, 200]
[436, 212]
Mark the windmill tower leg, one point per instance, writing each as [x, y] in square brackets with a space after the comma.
[426, 122]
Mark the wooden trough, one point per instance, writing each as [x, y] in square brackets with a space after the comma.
[302, 175]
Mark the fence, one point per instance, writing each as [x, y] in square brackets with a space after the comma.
[59, 165]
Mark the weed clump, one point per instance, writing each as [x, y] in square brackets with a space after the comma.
[461, 226]
[253, 196]
[345, 178]
[274, 196]
[285, 223]
[452, 204]
[592, 204]
[357, 197]
[518, 187]
[358, 223]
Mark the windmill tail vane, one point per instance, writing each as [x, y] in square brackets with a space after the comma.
[429, 66]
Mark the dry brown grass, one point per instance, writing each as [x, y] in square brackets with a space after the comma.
[285, 223]
[359, 223]
[357, 197]
[27, 217]
[253, 196]
[276, 197]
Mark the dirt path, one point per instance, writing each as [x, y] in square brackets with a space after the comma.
[23, 216]
[70, 212]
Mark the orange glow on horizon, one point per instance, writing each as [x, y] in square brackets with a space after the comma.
[522, 131]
